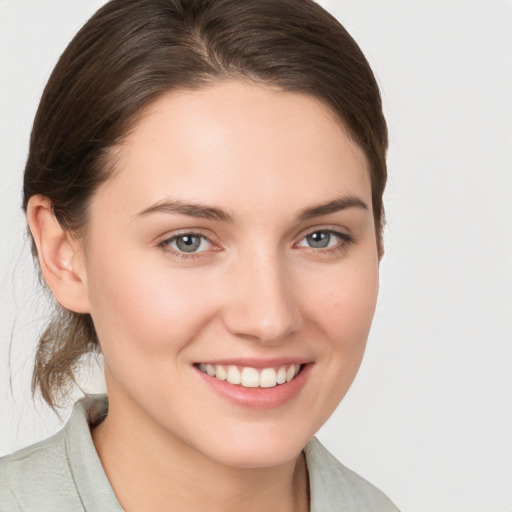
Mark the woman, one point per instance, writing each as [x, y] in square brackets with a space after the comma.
[204, 192]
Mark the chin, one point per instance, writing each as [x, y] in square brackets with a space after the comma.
[260, 450]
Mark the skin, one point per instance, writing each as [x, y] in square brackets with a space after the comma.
[255, 289]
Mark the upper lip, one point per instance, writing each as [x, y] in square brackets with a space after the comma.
[257, 363]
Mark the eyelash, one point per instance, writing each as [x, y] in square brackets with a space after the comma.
[344, 241]
[166, 245]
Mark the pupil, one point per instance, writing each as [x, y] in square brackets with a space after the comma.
[188, 243]
[319, 240]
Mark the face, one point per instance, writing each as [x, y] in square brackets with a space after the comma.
[235, 243]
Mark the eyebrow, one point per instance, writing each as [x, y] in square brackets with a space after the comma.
[190, 209]
[332, 207]
[217, 214]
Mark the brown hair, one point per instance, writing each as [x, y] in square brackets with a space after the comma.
[131, 52]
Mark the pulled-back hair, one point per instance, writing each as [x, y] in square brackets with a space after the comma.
[133, 51]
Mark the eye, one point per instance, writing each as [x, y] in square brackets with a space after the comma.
[188, 243]
[323, 239]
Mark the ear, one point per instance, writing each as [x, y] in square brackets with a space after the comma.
[60, 256]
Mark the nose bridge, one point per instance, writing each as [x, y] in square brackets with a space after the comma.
[263, 304]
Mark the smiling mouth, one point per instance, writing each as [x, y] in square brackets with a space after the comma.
[248, 377]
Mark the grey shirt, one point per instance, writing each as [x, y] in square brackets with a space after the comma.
[64, 474]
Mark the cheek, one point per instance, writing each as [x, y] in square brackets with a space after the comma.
[345, 305]
[340, 307]
[145, 308]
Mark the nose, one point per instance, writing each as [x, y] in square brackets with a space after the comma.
[262, 304]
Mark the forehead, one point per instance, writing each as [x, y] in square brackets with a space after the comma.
[238, 143]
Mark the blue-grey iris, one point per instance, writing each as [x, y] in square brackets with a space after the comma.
[319, 239]
[188, 243]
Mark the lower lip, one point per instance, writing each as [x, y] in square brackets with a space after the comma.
[259, 398]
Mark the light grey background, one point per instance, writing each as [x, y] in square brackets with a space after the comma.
[429, 418]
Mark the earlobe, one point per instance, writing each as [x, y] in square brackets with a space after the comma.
[60, 256]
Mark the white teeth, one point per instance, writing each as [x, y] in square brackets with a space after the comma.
[220, 373]
[268, 378]
[251, 377]
[290, 373]
[233, 375]
[281, 375]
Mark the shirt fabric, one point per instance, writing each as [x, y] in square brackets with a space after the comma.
[64, 473]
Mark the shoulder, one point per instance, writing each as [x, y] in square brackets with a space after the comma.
[334, 487]
[61, 473]
[36, 477]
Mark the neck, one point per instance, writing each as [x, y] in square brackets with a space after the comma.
[149, 470]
